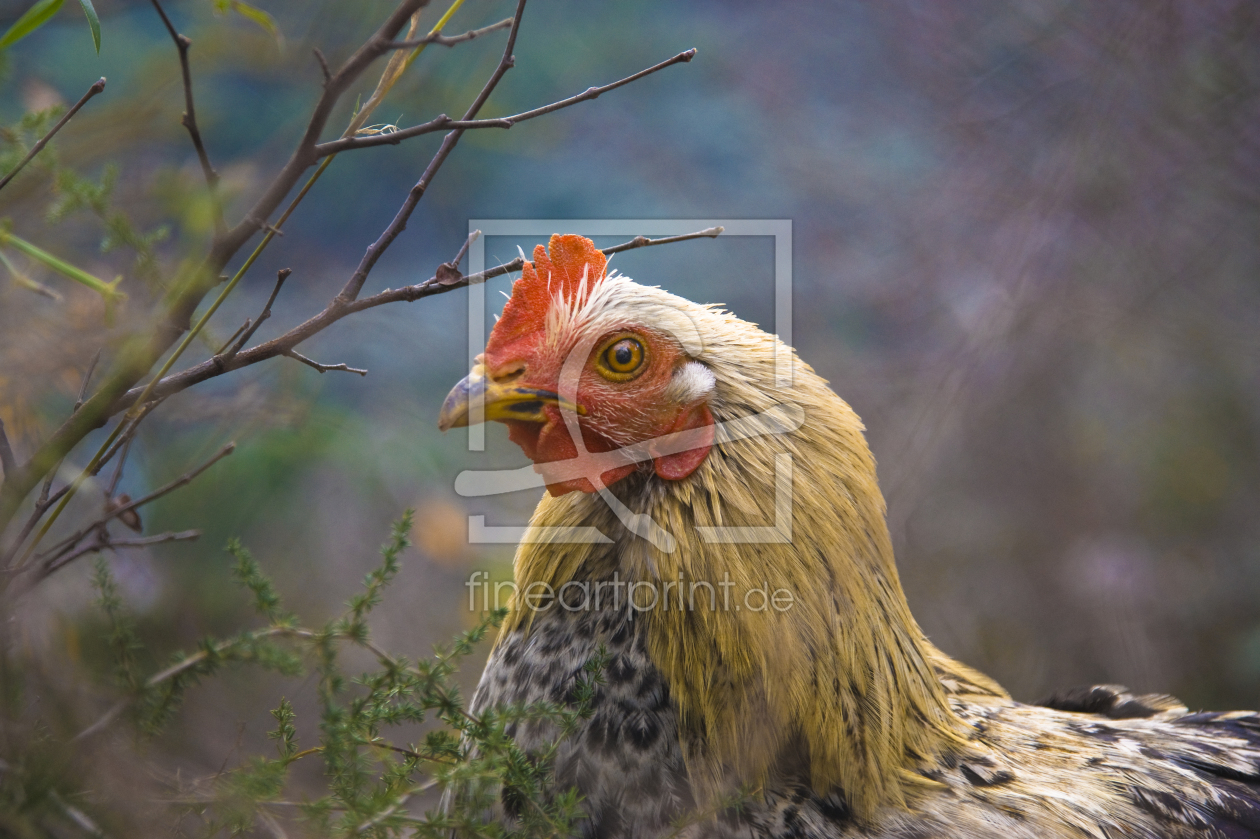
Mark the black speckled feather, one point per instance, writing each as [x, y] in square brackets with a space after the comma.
[1179, 774]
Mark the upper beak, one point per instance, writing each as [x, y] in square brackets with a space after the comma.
[501, 400]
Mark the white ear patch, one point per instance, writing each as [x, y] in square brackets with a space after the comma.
[691, 383]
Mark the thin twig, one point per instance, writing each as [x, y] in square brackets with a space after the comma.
[184, 666]
[116, 710]
[323, 65]
[7, 462]
[355, 284]
[263, 224]
[87, 377]
[412, 753]
[223, 347]
[281, 276]
[41, 506]
[468, 279]
[448, 272]
[96, 88]
[192, 661]
[118, 469]
[114, 544]
[442, 122]
[459, 257]
[189, 121]
[76, 815]
[393, 808]
[129, 432]
[324, 368]
[445, 41]
[208, 369]
[303, 156]
[109, 515]
[644, 242]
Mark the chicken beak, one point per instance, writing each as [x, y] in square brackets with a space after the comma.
[502, 401]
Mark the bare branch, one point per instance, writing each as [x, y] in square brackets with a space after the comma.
[281, 276]
[60, 548]
[114, 712]
[399, 224]
[323, 65]
[43, 141]
[76, 815]
[189, 121]
[281, 345]
[459, 257]
[644, 242]
[442, 122]
[118, 469]
[448, 273]
[323, 368]
[46, 501]
[304, 156]
[177, 314]
[128, 433]
[469, 279]
[442, 40]
[232, 340]
[87, 377]
[52, 567]
[393, 808]
[7, 463]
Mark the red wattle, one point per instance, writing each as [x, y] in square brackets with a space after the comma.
[551, 443]
[675, 467]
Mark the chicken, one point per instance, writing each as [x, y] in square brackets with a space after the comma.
[756, 633]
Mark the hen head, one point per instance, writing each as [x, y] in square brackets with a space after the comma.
[593, 374]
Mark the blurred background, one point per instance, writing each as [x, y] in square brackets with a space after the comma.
[1026, 250]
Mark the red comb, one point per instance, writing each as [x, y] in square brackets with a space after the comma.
[559, 272]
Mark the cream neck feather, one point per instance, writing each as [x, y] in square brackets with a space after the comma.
[842, 683]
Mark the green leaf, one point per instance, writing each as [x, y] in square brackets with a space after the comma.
[35, 17]
[251, 13]
[94, 22]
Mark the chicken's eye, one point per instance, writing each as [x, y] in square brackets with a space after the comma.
[621, 360]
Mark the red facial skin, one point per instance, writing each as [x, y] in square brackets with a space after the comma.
[618, 414]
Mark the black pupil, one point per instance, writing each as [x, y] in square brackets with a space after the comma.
[623, 354]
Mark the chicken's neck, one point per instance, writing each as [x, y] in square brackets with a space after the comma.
[788, 646]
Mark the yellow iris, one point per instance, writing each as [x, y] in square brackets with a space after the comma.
[622, 359]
